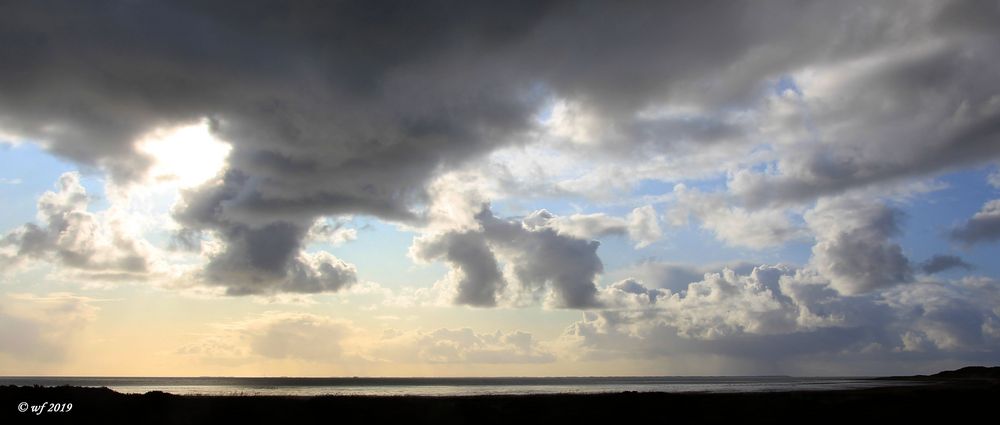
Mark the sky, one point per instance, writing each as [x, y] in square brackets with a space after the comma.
[539, 188]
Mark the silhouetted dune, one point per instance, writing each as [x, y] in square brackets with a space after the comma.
[944, 399]
[970, 373]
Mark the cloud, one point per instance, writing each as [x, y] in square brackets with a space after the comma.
[776, 317]
[460, 346]
[734, 225]
[885, 116]
[994, 179]
[536, 262]
[43, 327]
[475, 269]
[22, 338]
[719, 305]
[99, 245]
[824, 119]
[737, 316]
[271, 105]
[270, 260]
[952, 317]
[940, 263]
[677, 276]
[273, 335]
[853, 248]
[354, 127]
[641, 225]
[277, 336]
[418, 117]
[348, 109]
[265, 257]
[300, 337]
[333, 233]
[983, 227]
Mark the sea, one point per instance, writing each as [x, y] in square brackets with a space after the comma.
[286, 386]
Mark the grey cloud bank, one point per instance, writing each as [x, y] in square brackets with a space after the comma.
[782, 320]
[540, 263]
[348, 107]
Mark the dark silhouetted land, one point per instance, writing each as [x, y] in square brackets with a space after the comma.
[965, 394]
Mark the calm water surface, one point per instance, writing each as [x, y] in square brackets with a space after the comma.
[450, 386]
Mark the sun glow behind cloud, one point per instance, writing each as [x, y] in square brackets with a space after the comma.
[188, 155]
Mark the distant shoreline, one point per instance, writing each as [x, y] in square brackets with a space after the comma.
[448, 386]
[950, 396]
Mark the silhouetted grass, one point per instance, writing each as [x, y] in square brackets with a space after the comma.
[947, 398]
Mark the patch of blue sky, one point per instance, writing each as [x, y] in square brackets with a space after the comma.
[541, 94]
[659, 187]
[380, 254]
[688, 244]
[763, 167]
[691, 245]
[652, 188]
[786, 83]
[94, 184]
[930, 217]
[520, 207]
[618, 252]
[695, 246]
[646, 192]
[30, 171]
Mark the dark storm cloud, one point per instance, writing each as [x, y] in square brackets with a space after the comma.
[330, 106]
[329, 89]
[941, 262]
[375, 84]
[351, 107]
[267, 257]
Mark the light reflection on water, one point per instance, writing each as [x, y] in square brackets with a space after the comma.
[450, 386]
